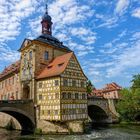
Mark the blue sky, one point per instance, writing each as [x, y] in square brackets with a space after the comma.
[104, 34]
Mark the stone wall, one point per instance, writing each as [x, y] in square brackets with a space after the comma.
[5, 118]
[71, 127]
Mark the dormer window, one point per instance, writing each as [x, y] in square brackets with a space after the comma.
[49, 67]
[61, 64]
[46, 55]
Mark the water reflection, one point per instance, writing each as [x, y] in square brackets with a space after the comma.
[100, 133]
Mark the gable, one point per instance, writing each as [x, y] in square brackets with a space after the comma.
[25, 43]
[74, 68]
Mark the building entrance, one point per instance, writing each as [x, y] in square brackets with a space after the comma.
[26, 92]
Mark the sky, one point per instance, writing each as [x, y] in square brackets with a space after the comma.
[104, 34]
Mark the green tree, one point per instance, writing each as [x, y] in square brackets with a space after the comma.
[129, 105]
[136, 81]
[89, 87]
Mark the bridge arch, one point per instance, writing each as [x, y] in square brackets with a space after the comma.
[97, 114]
[26, 122]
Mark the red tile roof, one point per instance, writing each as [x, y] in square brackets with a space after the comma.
[15, 67]
[56, 67]
[109, 87]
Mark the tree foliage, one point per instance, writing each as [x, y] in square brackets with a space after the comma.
[129, 105]
[89, 87]
[136, 82]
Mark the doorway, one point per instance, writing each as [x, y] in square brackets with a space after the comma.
[26, 92]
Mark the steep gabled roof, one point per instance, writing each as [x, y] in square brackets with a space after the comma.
[15, 67]
[109, 87]
[56, 67]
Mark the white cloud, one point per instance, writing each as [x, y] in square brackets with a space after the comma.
[65, 16]
[129, 58]
[81, 49]
[109, 22]
[69, 12]
[12, 13]
[136, 36]
[7, 54]
[122, 34]
[85, 34]
[101, 65]
[112, 18]
[35, 28]
[136, 13]
[121, 6]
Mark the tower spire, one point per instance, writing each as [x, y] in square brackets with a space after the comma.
[46, 23]
[46, 8]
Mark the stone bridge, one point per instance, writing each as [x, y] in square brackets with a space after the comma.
[102, 110]
[22, 110]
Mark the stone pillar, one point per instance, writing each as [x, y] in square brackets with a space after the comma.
[75, 126]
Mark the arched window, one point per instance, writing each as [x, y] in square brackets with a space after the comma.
[46, 55]
[30, 55]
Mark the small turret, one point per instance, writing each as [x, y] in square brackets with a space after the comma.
[46, 23]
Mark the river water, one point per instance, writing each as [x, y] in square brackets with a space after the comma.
[114, 132]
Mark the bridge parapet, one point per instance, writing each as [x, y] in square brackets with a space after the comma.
[16, 101]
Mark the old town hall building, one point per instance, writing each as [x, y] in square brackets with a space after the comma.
[49, 74]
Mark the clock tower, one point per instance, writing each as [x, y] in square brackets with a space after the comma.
[37, 54]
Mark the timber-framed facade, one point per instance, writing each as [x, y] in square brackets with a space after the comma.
[48, 73]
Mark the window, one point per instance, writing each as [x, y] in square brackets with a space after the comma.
[82, 84]
[73, 83]
[83, 96]
[5, 82]
[30, 55]
[56, 83]
[8, 96]
[56, 112]
[61, 64]
[49, 67]
[64, 95]
[42, 112]
[40, 97]
[17, 95]
[25, 58]
[69, 95]
[13, 80]
[30, 71]
[49, 112]
[24, 72]
[46, 55]
[2, 84]
[56, 95]
[9, 81]
[65, 82]
[76, 95]
[40, 84]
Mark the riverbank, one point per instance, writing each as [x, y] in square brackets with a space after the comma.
[130, 123]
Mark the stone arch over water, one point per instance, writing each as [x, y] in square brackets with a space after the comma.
[26, 122]
[97, 114]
